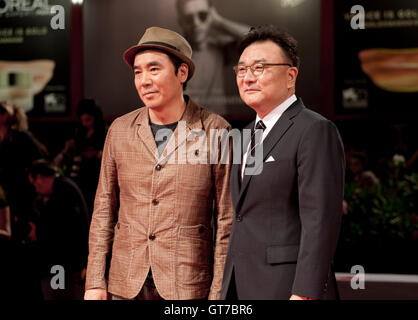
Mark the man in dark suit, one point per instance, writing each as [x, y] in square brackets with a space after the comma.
[288, 207]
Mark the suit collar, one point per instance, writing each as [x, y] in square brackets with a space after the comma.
[274, 115]
[190, 120]
[274, 136]
[281, 127]
[191, 115]
[294, 109]
[288, 114]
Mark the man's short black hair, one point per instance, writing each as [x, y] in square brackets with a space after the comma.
[177, 62]
[284, 40]
[42, 167]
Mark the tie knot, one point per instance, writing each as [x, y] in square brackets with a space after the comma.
[260, 125]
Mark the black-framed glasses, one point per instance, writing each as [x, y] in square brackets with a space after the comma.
[257, 68]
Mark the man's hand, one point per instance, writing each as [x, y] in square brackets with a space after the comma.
[83, 274]
[95, 294]
[215, 18]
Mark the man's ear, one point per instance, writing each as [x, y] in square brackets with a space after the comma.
[183, 72]
[292, 74]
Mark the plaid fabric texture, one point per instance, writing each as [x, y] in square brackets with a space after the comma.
[154, 212]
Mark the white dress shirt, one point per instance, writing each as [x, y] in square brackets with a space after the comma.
[269, 121]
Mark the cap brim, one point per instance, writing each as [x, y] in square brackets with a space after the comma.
[129, 55]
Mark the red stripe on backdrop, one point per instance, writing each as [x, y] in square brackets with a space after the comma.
[76, 57]
[327, 59]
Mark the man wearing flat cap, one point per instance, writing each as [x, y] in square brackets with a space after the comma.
[162, 210]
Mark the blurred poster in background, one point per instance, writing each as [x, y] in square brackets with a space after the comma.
[376, 68]
[213, 27]
[34, 55]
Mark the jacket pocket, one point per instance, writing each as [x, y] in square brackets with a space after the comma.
[121, 253]
[282, 254]
[194, 254]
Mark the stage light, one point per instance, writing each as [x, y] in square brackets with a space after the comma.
[77, 1]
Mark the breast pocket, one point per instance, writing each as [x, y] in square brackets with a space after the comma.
[278, 171]
[194, 185]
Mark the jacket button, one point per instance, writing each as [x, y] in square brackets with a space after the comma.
[158, 167]
[201, 229]
[152, 236]
[118, 225]
[155, 202]
[239, 218]
[196, 152]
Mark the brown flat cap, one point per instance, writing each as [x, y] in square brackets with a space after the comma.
[162, 39]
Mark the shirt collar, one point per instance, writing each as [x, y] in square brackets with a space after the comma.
[271, 118]
[191, 115]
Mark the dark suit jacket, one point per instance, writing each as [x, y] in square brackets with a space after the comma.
[287, 218]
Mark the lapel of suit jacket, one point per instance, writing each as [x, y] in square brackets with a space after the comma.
[189, 126]
[274, 136]
[189, 121]
[144, 133]
[235, 180]
[235, 183]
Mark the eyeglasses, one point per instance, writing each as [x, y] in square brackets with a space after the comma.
[257, 68]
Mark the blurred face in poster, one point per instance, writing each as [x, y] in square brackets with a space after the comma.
[195, 19]
[263, 92]
[156, 80]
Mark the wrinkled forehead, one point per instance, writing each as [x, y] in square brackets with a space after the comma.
[193, 6]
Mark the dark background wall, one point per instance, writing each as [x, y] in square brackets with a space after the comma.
[101, 32]
[111, 28]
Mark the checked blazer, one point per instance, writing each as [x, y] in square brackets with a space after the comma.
[159, 212]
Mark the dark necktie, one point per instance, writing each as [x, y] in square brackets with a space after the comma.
[260, 125]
